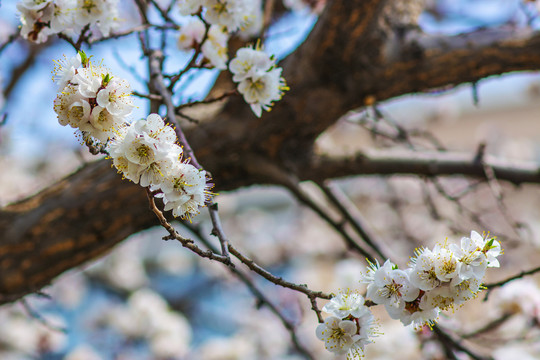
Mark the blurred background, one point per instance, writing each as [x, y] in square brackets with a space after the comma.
[152, 299]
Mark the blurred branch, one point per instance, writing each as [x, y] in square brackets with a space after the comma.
[522, 274]
[337, 226]
[18, 72]
[449, 342]
[429, 164]
[346, 208]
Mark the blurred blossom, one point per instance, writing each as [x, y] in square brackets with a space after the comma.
[395, 339]
[520, 296]
[146, 315]
[123, 268]
[517, 351]
[233, 348]
[347, 274]
[19, 332]
[70, 289]
[83, 352]
[175, 260]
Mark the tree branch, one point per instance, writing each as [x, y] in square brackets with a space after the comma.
[419, 163]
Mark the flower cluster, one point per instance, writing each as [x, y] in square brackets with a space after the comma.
[436, 280]
[91, 98]
[41, 18]
[233, 15]
[259, 79]
[350, 326]
[145, 151]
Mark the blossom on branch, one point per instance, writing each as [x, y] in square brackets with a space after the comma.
[259, 79]
[92, 99]
[350, 326]
[41, 18]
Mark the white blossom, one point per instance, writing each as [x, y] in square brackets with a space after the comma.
[446, 264]
[254, 21]
[115, 97]
[472, 261]
[189, 7]
[391, 286]
[145, 152]
[101, 13]
[345, 304]
[35, 15]
[232, 14]
[414, 315]
[93, 100]
[261, 90]
[65, 69]
[71, 107]
[249, 62]
[465, 290]
[191, 34]
[339, 336]
[184, 190]
[423, 273]
[215, 47]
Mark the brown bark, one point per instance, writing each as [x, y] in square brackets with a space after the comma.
[359, 51]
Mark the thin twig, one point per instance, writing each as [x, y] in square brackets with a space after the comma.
[34, 314]
[207, 101]
[306, 200]
[194, 57]
[187, 243]
[217, 229]
[275, 279]
[345, 207]
[447, 340]
[497, 284]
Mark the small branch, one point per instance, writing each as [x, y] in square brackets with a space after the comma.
[218, 229]
[490, 326]
[207, 101]
[492, 286]
[277, 280]
[187, 243]
[447, 340]
[346, 208]
[193, 59]
[155, 58]
[34, 314]
[118, 35]
[11, 39]
[427, 163]
[306, 200]
[148, 96]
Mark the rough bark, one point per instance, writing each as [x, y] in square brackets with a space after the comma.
[360, 51]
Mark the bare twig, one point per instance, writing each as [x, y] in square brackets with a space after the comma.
[217, 229]
[207, 101]
[275, 279]
[306, 200]
[34, 314]
[187, 243]
[497, 284]
[346, 208]
[447, 340]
